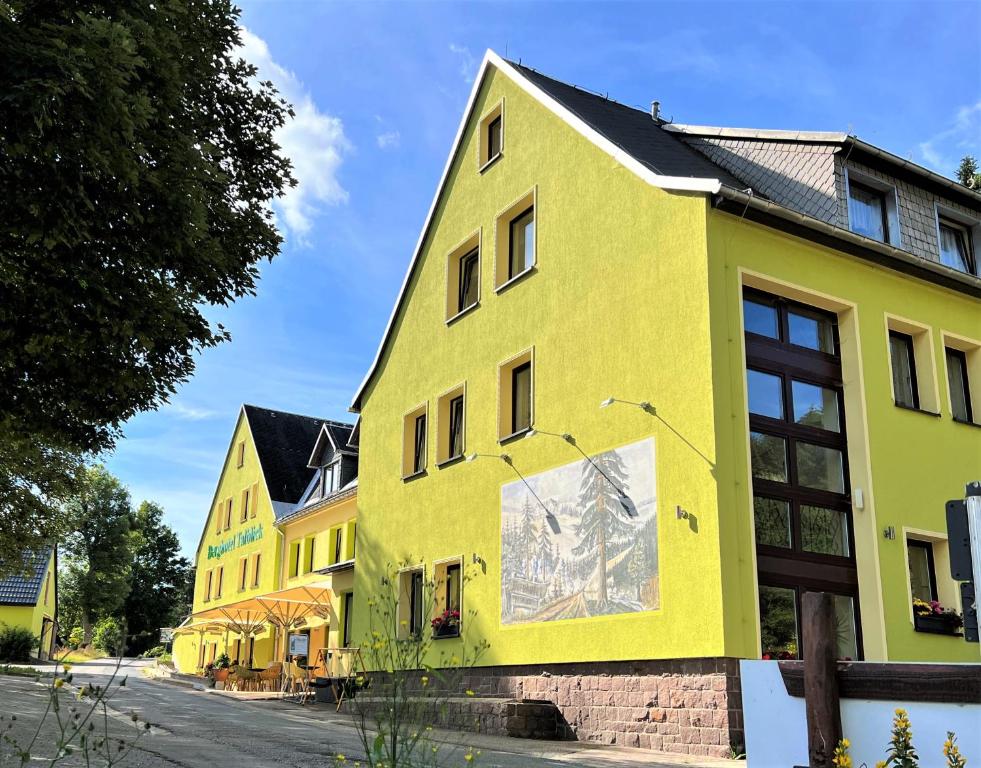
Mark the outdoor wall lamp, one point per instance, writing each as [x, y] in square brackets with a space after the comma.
[550, 518]
[625, 501]
[643, 404]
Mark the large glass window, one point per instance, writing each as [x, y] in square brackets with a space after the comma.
[960, 390]
[521, 252]
[778, 622]
[955, 246]
[815, 406]
[801, 508]
[768, 455]
[765, 394]
[903, 369]
[867, 211]
[772, 520]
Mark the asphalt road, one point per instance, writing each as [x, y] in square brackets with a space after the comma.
[197, 729]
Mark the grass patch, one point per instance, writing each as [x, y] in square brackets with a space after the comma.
[78, 655]
[7, 669]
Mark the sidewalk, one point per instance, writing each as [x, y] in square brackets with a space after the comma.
[585, 754]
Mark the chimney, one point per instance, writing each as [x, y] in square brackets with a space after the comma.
[655, 110]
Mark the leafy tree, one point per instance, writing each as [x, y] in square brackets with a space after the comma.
[99, 549]
[158, 578]
[604, 520]
[967, 172]
[137, 168]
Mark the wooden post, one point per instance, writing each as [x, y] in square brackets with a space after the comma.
[819, 625]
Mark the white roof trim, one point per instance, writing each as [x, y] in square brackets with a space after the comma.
[755, 133]
[671, 183]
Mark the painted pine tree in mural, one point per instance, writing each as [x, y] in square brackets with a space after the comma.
[597, 559]
[605, 528]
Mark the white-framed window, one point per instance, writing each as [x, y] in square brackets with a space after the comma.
[516, 240]
[873, 209]
[959, 240]
[463, 277]
[516, 395]
[490, 144]
[415, 435]
[451, 424]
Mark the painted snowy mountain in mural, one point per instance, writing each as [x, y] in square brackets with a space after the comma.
[602, 560]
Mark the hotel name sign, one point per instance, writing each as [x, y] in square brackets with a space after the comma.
[240, 539]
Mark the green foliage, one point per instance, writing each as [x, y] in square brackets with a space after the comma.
[137, 168]
[98, 551]
[6, 669]
[75, 637]
[16, 643]
[155, 653]
[405, 694]
[108, 636]
[967, 173]
[902, 753]
[159, 579]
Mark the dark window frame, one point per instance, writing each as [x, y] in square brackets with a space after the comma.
[515, 372]
[931, 564]
[794, 567]
[498, 124]
[873, 192]
[347, 605]
[961, 355]
[419, 443]
[416, 608]
[338, 549]
[454, 568]
[907, 340]
[964, 231]
[511, 225]
[466, 280]
[457, 420]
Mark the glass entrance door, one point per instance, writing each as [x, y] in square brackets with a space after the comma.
[798, 454]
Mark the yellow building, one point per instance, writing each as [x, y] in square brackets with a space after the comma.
[31, 601]
[285, 476]
[784, 333]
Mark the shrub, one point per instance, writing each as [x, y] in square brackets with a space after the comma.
[108, 636]
[75, 638]
[16, 643]
[156, 652]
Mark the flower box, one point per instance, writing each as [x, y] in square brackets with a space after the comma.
[937, 624]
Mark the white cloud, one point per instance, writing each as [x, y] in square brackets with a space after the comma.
[944, 150]
[190, 412]
[468, 64]
[313, 140]
[389, 140]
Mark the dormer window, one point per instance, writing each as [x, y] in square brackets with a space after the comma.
[955, 246]
[329, 478]
[867, 211]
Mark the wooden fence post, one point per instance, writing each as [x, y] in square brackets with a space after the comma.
[819, 626]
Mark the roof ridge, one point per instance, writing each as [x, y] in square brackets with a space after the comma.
[285, 413]
[605, 95]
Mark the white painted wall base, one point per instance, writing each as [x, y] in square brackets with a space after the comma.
[776, 723]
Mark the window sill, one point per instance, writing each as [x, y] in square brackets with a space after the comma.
[966, 423]
[491, 162]
[916, 410]
[446, 635]
[514, 436]
[517, 278]
[414, 476]
[462, 312]
[450, 461]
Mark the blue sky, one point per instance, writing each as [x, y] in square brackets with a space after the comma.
[379, 90]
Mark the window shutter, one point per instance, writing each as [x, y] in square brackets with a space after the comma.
[254, 496]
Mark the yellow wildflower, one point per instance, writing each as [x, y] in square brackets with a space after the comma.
[59, 682]
[468, 757]
[470, 693]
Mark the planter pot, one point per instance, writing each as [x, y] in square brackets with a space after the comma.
[936, 624]
[447, 630]
[221, 675]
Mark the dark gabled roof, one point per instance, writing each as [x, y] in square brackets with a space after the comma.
[633, 130]
[333, 435]
[25, 590]
[283, 442]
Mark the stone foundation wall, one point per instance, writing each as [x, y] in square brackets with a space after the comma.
[690, 706]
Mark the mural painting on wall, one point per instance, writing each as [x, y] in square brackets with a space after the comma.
[602, 559]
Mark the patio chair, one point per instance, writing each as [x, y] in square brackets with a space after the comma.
[246, 679]
[269, 677]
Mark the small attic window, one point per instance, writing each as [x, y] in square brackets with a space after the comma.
[240, 455]
[491, 143]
